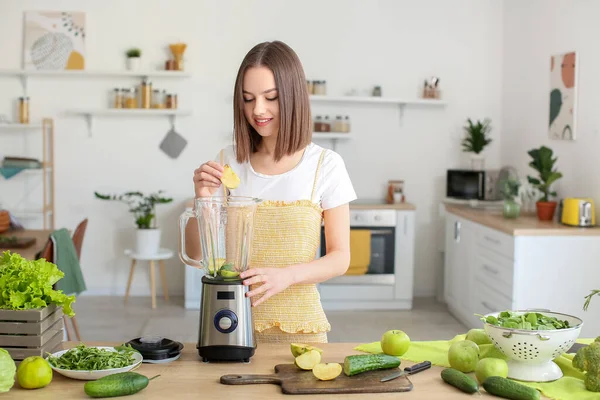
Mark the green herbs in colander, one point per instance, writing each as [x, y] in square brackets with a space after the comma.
[83, 358]
[531, 321]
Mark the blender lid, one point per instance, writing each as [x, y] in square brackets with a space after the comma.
[157, 348]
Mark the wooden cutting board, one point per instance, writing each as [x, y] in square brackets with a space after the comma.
[296, 381]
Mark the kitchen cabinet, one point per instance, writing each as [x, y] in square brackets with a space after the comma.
[492, 264]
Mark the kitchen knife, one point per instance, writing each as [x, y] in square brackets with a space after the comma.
[408, 371]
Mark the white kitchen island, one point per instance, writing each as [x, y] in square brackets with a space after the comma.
[494, 264]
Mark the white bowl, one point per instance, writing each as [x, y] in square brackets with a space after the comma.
[531, 353]
[97, 374]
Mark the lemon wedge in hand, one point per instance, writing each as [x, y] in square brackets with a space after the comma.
[229, 178]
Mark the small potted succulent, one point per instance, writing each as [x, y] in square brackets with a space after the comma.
[543, 163]
[134, 57]
[143, 207]
[476, 140]
[510, 191]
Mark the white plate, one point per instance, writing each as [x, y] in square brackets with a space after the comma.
[93, 375]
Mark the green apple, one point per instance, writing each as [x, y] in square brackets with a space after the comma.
[464, 356]
[478, 336]
[395, 343]
[34, 372]
[491, 367]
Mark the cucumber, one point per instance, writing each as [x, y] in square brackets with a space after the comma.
[121, 384]
[503, 387]
[358, 364]
[460, 380]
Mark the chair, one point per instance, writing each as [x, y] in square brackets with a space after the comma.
[48, 254]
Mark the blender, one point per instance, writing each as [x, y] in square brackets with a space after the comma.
[225, 227]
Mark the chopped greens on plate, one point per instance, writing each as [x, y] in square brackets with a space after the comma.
[83, 358]
[530, 321]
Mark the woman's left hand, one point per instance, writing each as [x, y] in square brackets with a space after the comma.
[272, 280]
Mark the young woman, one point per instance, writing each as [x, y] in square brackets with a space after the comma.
[301, 184]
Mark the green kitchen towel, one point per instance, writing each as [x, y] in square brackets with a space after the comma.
[569, 387]
[65, 258]
[9, 172]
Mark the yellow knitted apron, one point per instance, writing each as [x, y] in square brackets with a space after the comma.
[288, 233]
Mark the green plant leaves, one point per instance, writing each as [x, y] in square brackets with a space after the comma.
[142, 206]
[543, 162]
[476, 136]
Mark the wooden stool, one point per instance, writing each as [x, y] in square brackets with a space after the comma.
[162, 255]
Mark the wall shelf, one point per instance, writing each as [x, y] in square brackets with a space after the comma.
[19, 127]
[333, 136]
[89, 114]
[23, 74]
[375, 100]
[378, 100]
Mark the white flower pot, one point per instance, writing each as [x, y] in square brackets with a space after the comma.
[133, 63]
[477, 162]
[147, 241]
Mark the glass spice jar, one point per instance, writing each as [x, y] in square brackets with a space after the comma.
[171, 100]
[157, 99]
[146, 95]
[24, 110]
[318, 127]
[130, 98]
[118, 98]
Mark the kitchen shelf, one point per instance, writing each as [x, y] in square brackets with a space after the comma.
[333, 136]
[23, 74]
[89, 114]
[375, 100]
[19, 127]
[46, 211]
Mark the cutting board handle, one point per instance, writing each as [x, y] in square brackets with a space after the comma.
[249, 379]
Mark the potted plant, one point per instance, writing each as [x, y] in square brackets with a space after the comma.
[543, 163]
[510, 191]
[475, 141]
[143, 208]
[133, 59]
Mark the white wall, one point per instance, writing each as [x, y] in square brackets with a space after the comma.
[535, 30]
[351, 44]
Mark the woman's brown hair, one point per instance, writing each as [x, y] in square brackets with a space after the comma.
[295, 122]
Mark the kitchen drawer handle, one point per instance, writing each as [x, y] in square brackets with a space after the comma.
[490, 269]
[483, 303]
[489, 239]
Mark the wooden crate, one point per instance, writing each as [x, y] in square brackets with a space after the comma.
[26, 333]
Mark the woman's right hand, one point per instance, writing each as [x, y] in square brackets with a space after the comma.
[207, 178]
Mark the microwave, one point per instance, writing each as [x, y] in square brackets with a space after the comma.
[467, 184]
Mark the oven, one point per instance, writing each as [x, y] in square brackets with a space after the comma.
[379, 227]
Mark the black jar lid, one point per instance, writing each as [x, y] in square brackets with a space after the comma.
[156, 347]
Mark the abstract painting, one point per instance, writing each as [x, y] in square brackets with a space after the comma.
[563, 96]
[54, 40]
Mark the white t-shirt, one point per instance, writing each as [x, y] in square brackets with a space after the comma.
[333, 187]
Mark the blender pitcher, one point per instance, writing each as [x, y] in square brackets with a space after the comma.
[225, 227]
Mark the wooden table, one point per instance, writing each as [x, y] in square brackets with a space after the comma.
[189, 378]
[40, 235]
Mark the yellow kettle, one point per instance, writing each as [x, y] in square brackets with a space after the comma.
[578, 212]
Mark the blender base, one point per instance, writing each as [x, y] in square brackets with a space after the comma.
[226, 353]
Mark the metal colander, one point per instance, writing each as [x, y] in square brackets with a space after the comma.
[531, 353]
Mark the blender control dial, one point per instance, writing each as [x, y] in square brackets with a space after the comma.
[225, 321]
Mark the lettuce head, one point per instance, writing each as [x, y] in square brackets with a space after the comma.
[8, 368]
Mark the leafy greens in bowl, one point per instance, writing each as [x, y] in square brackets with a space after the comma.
[528, 320]
[90, 363]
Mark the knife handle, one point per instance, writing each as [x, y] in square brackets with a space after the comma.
[418, 367]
